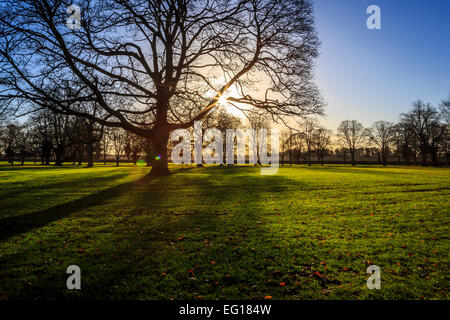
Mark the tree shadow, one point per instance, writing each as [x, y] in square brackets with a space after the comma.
[162, 225]
[15, 225]
[11, 191]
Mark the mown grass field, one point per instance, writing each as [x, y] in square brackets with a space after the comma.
[224, 232]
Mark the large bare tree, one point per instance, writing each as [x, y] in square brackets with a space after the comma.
[156, 66]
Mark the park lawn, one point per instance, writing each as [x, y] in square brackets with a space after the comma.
[224, 232]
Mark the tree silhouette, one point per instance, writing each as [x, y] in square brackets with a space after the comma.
[352, 135]
[156, 66]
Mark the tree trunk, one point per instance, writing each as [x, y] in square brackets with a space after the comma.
[434, 157]
[423, 154]
[11, 157]
[352, 152]
[90, 155]
[148, 152]
[80, 155]
[59, 153]
[160, 160]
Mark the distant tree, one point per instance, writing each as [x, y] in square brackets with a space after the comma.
[406, 141]
[61, 126]
[118, 138]
[46, 150]
[322, 140]
[23, 141]
[397, 140]
[286, 146]
[9, 138]
[41, 124]
[297, 147]
[291, 145]
[425, 123]
[127, 149]
[444, 108]
[306, 128]
[351, 134]
[222, 120]
[258, 121]
[136, 144]
[90, 133]
[381, 134]
[105, 144]
[75, 147]
[2, 142]
[35, 142]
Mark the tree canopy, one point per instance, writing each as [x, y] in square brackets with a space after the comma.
[155, 66]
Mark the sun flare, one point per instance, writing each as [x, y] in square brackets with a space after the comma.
[222, 100]
[234, 107]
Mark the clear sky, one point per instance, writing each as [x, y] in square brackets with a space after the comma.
[371, 75]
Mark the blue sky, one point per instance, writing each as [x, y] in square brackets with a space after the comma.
[371, 75]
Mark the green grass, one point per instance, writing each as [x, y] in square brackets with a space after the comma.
[224, 232]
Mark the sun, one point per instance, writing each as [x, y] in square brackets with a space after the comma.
[222, 100]
[231, 107]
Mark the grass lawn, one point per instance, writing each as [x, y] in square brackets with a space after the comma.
[224, 232]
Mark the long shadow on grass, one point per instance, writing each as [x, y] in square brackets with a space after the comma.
[73, 183]
[18, 167]
[14, 225]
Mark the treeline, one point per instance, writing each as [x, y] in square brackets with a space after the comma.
[420, 136]
[55, 137]
[48, 138]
